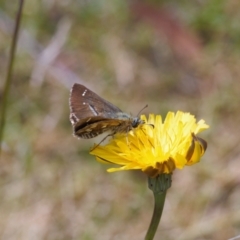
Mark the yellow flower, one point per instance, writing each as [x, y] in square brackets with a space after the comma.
[156, 147]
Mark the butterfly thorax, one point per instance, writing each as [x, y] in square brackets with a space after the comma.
[133, 122]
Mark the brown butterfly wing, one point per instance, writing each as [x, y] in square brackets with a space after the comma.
[94, 129]
[90, 114]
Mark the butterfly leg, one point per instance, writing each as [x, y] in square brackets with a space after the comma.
[146, 134]
[109, 135]
[127, 140]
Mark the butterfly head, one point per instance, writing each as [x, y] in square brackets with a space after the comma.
[137, 121]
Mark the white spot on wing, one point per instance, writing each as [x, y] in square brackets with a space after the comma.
[73, 119]
[85, 91]
[93, 110]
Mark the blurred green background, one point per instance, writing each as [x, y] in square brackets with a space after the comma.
[172, 55]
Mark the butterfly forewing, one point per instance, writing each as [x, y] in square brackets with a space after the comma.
[92, 115]
[85, 103]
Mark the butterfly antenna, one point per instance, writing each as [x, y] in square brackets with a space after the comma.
[152, 125]
[142, 110]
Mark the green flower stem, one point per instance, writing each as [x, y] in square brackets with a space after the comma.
[157, 213]
[159, 186]
[9, 71]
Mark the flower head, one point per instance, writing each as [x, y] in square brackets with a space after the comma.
[156, 147]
